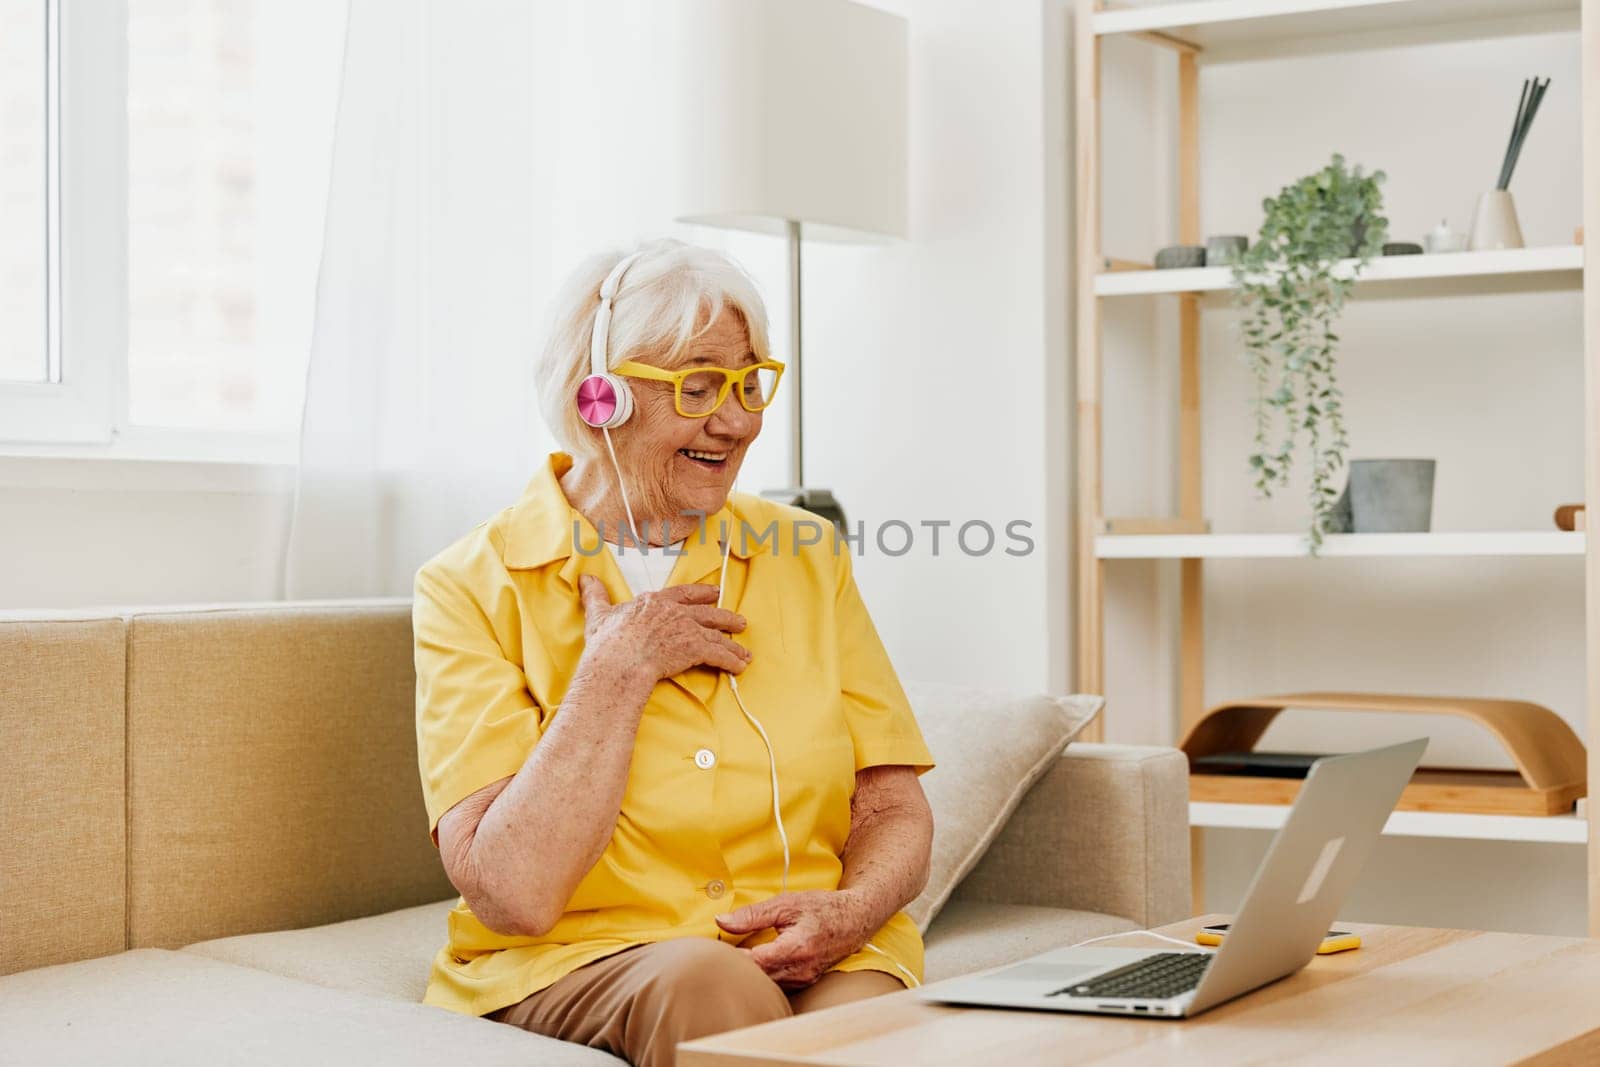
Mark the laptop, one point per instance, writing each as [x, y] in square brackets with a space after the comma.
[1300, 886]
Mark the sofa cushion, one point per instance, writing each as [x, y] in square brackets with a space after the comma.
[989, 750]
[63, 815]
[174, 1008]
[1105, 830]
[272, 771]
[382, 956]
[388, 955]
[972, 936]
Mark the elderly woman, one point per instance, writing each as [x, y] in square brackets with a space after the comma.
[676, 788]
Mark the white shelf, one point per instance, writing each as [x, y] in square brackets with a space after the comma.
[1278, 546]
[1212, 24]
[1552, 829]
[1560, 266]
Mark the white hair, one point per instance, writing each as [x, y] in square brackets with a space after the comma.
[668, 297]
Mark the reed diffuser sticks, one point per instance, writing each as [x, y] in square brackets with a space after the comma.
[1527, 107]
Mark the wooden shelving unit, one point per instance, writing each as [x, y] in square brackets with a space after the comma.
[1216, 25]
[1514, 269]
[1220, 30]
[1554, 829]
[1286, 546]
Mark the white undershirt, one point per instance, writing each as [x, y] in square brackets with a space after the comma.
[646, 573]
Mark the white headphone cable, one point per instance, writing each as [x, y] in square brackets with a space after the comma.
[891, 959]
[1190, 945]
[633, 526]
[772, 756]
[772, 761]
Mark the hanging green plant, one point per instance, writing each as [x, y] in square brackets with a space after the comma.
[1292, 287]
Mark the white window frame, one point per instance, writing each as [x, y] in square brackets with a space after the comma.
[85, 414]
[86, 197]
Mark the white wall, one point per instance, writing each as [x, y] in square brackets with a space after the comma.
[100, 533]
[936, 367]
[1489, 386]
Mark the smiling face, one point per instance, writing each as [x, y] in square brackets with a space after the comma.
[677, 464]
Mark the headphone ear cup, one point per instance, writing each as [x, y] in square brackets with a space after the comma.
[624, 401]
[604, 401]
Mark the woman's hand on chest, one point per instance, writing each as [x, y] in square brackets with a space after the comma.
[659, 634]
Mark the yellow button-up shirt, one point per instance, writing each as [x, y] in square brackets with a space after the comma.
[499, 630]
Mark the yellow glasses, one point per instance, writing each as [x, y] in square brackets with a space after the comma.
[699, 391]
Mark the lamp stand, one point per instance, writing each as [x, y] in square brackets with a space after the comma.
[819, 502]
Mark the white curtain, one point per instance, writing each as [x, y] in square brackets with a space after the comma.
[483, 148]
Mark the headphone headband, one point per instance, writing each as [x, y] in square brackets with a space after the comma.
[598, 340]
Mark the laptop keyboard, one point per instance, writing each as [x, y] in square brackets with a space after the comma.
[1166, 974]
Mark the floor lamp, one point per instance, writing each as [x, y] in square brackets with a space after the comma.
[792, 122]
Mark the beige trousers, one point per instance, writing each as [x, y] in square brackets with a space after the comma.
[641, 1002]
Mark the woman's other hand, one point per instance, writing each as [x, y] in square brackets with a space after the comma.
[661, 633]
[816, 929]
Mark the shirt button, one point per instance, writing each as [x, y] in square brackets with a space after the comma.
[705, 759]
[715, 888]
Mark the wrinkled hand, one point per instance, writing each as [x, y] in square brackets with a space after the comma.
[663, 632]
[816, 929]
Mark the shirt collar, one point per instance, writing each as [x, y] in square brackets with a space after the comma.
[541, 525]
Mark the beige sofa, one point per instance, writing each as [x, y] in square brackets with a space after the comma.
[215, 849]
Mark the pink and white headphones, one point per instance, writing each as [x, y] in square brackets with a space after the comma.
[604, 400]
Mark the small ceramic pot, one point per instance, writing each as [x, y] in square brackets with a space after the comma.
[1224, 251]
[1494, 223]
[1443, 239]
[1402, 248]
[1177, 257]
[1385, 496]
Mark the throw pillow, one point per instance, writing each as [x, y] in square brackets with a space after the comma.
[989, 749]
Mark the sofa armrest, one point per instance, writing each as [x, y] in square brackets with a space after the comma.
[1105, 830]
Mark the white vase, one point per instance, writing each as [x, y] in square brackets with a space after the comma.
[1494, 223]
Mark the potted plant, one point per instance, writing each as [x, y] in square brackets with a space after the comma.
[1292, 287]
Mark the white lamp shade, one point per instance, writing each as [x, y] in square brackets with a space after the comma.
[789, 110]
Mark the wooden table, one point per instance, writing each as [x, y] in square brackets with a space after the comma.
[1409, 995]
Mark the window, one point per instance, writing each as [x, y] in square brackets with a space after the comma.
[192, 161]
[25, 354]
